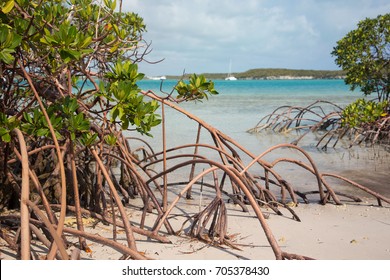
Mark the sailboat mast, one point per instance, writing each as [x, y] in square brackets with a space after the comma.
[230, 77]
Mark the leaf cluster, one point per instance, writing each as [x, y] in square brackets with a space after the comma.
[64, 118]
[129, 106]
[9, 40]
[364, 53]
[362, 112]
[67, 47]
[77, 52]
[7, 124]
[198, 88]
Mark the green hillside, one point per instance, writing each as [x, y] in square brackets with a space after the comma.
[280, 72]
[275, 73]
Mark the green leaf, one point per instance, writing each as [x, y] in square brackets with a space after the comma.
[121, 112]
[3, 131]
[113, 5]
[125, 124]
[55, 121]
[6, 137]
[114, 48]
[48, 39]
[27, 117]
[79, 118]
[110, 140]
[6, 56]
[67, 55]
[120, 94]
[90, 139]
[114, 113]
[8, 6]
[86, 42]
[42, 132]
[70, 105]
[116, 29]
[137, 121]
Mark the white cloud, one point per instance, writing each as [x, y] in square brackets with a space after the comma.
[203, 35]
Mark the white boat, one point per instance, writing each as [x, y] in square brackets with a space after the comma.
[230, 77]
[157, 78]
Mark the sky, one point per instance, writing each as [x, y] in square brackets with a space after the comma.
[213, 36]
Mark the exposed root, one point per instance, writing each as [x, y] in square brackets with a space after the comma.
[323, 118]
[220, 168]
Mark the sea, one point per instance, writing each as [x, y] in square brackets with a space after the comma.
[241, 104]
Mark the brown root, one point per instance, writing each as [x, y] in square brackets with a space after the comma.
[220, 167]
[324, 118]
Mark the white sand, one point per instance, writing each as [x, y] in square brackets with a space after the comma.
[325, 232]
[352, 231]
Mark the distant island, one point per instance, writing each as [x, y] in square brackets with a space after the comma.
[274, 74]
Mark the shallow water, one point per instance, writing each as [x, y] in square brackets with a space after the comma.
[241, 104]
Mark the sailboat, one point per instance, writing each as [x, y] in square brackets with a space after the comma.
[230, 77]
[157, 78]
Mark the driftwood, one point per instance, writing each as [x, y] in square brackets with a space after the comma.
[221, 165]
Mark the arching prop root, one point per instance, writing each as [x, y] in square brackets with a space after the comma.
[238, 179]
[324, 118]
[319, 115]
[216, 165]
[210, 224]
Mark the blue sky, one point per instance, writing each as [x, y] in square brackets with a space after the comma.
[205, 35]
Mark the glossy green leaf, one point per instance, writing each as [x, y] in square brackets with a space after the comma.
[42, 132]
[6, 137]
[8, 6]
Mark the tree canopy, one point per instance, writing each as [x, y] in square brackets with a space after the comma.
[364, 53]
[68, 78]
[81, 60]
[62, 50]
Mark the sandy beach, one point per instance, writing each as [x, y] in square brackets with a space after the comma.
[352, 231]
[326, 232]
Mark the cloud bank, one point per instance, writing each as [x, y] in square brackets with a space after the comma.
[205, 35]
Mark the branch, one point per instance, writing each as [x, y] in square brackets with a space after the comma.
[25, 194]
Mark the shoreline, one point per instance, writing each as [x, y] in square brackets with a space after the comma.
[268, 74]
[353, 231]
[326, 232]
[267, 78]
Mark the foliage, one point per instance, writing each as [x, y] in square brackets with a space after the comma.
[364, 54]
[8, 43]
[67, 47]
[63, 44]
[197, 88]
[122, 90]
[362, 112]
[7, 124]
[69, 74]
[63, 117]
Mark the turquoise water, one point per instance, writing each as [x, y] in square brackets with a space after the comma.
[266, 88]
[241, 104]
